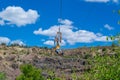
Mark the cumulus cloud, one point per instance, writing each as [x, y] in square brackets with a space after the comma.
[102, 1]
[2, 22]
[51, 43]
[116, 1]
[108, 27]
[97, 1]
[65, 22]
[18, 16]
[63, 43]
[4, 40]
[18, 42]
[70, 35]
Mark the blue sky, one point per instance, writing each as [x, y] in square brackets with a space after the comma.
[35, 22]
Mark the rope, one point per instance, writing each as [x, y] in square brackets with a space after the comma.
[60, 9]
[60, 14]
[60, 18]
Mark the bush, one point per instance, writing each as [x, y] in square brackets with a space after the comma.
[29, 72]
[104, 68]
[2, 76]
[104, 49]
[52, 76]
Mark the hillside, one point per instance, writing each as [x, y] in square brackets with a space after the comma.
[73, 60]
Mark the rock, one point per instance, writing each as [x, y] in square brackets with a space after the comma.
[35, 50]
[50, 60]
[10, 58]
[83, 62]
[14, 66]
[1, 58]
[100, 51]
[45, 74]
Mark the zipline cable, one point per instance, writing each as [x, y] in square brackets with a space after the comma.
[60, 9]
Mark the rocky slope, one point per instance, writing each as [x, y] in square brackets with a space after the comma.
[73, 61]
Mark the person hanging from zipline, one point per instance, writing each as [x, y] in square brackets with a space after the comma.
[58, 37]
[57, 41]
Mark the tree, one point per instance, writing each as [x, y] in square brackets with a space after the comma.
[116, 37]
[30, 72]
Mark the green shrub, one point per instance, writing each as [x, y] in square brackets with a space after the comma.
[104, 49]
[2, 76]
[29, 72]
[104, 68]
[115, 38]
[52, 75]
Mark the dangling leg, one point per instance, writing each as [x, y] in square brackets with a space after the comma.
[60, 52]
[57, 51]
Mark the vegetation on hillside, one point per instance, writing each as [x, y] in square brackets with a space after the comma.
[103, 68]
[30, 72]
[2, 76]
[106, 67]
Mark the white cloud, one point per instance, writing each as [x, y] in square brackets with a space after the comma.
[69, 35]
[65, 22]
[102, 1]
[51, 43]
[116, 1]
[19, 42]
[18, 16]
[108, 27]
[102, 38]
[63, 43]
[99, 34]
[4, 40]
[2, 22]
